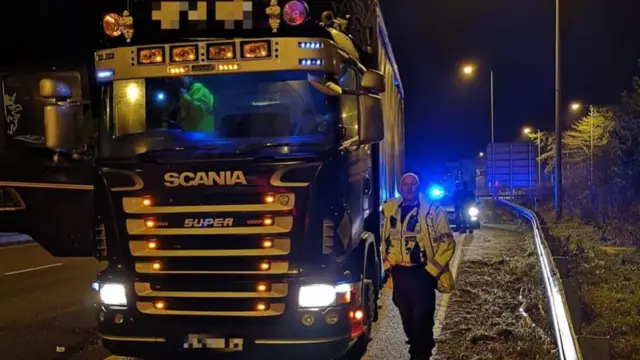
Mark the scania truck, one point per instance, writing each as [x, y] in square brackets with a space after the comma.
[233, 188]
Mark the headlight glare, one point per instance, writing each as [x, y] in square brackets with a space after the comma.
[113, 294]
[316, 296]
[473, 211]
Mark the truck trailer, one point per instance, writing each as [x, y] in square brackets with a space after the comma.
[233, 184]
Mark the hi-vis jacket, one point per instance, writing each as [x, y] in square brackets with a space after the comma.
[424, 238]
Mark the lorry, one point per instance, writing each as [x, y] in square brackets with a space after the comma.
[231, 180]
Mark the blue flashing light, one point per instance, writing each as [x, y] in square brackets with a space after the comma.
[436, 192]
[160, 96]
[104, 75]
[310, 45]
[311, 62]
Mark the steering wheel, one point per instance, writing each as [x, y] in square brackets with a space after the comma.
[173, 125]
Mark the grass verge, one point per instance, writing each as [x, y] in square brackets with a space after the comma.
[610, 279]
[498, 311]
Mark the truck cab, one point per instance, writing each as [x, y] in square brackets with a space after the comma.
[234, 186]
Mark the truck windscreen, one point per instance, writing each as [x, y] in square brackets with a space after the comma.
[236, 109]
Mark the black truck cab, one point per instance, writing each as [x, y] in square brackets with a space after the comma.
[234, 187]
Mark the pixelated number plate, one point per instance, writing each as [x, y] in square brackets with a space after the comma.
[210, 342]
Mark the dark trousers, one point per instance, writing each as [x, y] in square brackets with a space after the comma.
[462, 219]
[415, 296]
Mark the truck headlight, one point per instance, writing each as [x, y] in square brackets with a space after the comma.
[473, 211]
[316, 296]
[113, 294]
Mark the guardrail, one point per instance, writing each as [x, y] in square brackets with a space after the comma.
[559, 314]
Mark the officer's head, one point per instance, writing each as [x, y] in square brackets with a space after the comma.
[410, 186]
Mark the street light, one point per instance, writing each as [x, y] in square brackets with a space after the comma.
[468, 70]
[576, 106]
[526, 130]
[481, 154]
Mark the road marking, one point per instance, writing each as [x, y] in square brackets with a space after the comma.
[444, 302]
[32, 269]
[113, 357]
[18, 246]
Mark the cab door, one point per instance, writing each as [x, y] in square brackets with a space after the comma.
[44, 194]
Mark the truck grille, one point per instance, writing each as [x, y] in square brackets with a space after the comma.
[229, 262]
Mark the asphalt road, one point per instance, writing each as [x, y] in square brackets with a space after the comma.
[44, 304]
[45, 309]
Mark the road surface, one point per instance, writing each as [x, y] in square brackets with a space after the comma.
[45, 309]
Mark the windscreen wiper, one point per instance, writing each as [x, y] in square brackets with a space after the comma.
[176, 149]
[258, 146]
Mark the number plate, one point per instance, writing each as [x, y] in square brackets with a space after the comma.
[203, 341]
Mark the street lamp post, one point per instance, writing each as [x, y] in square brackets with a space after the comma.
[558, 131]
[468, 70]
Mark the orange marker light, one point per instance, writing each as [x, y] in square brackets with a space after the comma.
[146, 201]
[261, 306]
[156, 266]
[265, 266]
[269, 199]
[344, 298]
[159, 305]
[261, 287]
[267, 221]
[149, 223]
[152, 244]
[267, 243]
[358, 315]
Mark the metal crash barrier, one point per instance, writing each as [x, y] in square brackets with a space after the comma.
[559, 315]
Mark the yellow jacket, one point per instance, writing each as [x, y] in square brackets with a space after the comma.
[432, 234]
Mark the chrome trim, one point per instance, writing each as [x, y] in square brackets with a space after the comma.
[46, 185]
[301, 341]
[277, 291]
[137, 180]
[277, 267]
[133, 205]
[131, 338]
[147, 308]
[281, 224]
[281, 246]
[276, 178]
[17, 198]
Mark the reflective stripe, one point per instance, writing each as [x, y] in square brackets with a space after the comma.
[443, 237]
[436, 265]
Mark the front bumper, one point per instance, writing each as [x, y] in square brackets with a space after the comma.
[147, 336]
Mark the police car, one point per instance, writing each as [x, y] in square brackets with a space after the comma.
[437, 193]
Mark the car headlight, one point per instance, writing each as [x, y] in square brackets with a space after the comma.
[113, 294]
[317, 295]
[473, 211]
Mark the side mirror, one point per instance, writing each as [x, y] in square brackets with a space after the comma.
[60, 127]
[373, 81]
[59, 117]
[370, 122]
[57, 90]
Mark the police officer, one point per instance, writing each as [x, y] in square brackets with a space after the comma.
[196, 107]
[417, 247]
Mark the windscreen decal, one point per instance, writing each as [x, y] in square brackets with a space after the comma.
[228, 11]
[12, 112]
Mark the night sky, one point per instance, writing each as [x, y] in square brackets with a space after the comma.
[447, 116]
